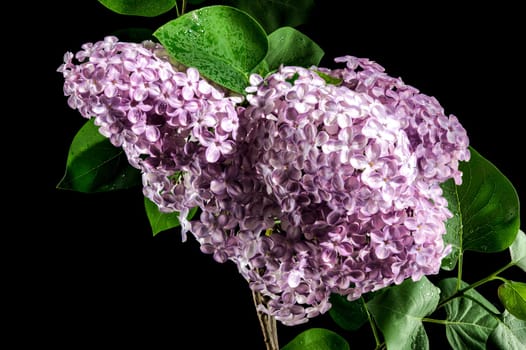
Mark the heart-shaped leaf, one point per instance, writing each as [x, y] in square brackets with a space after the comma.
[469, 323]
[400, 310]
[95, 165]
[513, 296]
[290, 47]
[485, 209]
[317, 339]
[518, 251]
[509, 334]
[225, 44]
[146, 8]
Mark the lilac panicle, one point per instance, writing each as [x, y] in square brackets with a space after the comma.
[354, 172]
[165, 117]
[310, 188]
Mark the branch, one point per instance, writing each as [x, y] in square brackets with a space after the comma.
[267, 323]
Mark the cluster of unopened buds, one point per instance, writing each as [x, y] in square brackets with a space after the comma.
[311, 186]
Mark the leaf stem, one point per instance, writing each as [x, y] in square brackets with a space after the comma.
[177, 13]
[459, 270]
[267, 323]
[491, 277]
[183, 7]
[373, 325]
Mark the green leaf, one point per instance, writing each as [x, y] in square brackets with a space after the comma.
[95, 165]
[160, 221]
[273, 14]
[225, 44]
[350, 315]
[290, 47]
[513, 296]
[509, 334]
[317, 339]
[485, 209]
[399, 312]
[518, 251]
[469, 318]
[145, 8]
[454, 229]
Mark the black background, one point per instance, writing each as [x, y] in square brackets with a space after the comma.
[90, 272]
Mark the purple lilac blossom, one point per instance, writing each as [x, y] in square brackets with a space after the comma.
[166, 118]
[355, 171]
[309, 188]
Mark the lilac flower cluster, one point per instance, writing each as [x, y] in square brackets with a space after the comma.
[167, 120]
[311, 188]
[355, 170]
